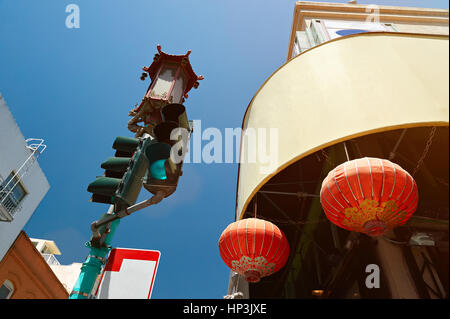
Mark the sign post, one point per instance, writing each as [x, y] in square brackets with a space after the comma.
[129, 274]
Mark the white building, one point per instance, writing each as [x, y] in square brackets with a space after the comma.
[22, 182]
[67, 274]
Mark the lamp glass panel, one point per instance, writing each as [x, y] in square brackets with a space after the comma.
[178, 89]
[164, 82]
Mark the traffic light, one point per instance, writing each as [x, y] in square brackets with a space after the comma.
[122, 180]
[173, 117]
[164, 172]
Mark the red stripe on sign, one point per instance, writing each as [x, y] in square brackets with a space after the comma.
[117, 256]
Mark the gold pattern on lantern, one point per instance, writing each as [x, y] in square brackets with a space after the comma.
[258, 263]
[369, 209]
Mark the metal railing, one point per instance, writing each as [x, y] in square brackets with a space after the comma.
[9, 204]
[50, 259]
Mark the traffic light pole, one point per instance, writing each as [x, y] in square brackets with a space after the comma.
[93, 264]
[143, 161]
[97, 235]
[100, 246]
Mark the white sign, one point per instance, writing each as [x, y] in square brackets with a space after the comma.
[128, 274]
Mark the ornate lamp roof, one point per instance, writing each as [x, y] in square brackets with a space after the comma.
[183, 60]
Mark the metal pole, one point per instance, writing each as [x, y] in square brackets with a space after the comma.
[392, 153]
[109, 218]
[298, 194]
[93, 264]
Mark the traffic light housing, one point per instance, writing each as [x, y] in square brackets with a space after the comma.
[173, 117]
[122, 181]
[163, 173]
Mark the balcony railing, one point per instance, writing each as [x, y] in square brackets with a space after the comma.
[11, 190]
[50, 259]
[8, 204]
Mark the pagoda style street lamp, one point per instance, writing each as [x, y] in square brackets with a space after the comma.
[172, 77]
[141, 161]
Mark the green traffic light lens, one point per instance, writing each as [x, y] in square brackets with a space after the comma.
[158, 170]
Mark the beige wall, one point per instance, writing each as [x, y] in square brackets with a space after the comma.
[344, 88]
[422, 28]
[67, 274]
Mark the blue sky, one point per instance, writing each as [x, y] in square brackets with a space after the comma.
[74, 88]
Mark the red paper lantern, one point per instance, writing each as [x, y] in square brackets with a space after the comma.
[369, 195]
[254, 248]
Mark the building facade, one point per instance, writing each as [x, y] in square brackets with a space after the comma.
[25, 274]
[67, 274]
[22, 182]
[359, 81]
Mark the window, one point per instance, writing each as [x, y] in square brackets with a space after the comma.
[338, 28]
[320, 31]
[345, 32]
[6, 290]
[12, 193]
[301, 43]
[317, 32]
